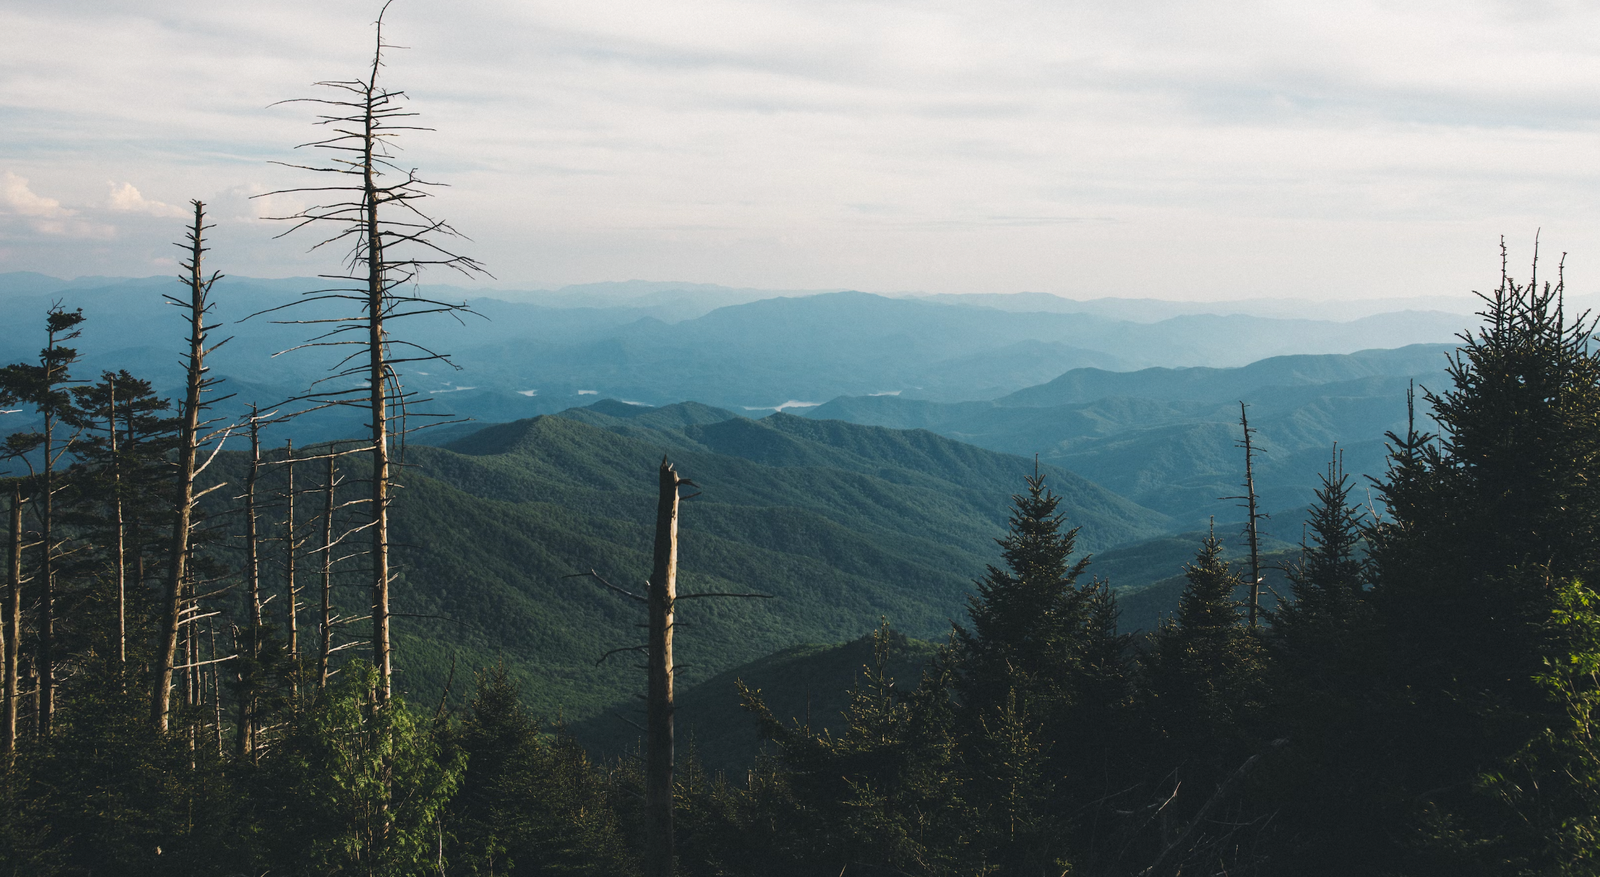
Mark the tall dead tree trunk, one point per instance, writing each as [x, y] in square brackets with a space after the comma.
[121, 536]
[13, 624]
[249, 673]
[659, 701]
[379, 378]
[325, 618]
[392, 241]
[196, 307]
[291, 562]
[1252, 531]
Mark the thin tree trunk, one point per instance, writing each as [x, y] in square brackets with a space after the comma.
[216, 684]
[378, 379]
[191, 643]
[1250, 527]
[252, 576]
[659, 701]
[325, 619]
[13, 624]
[121, 546]
[191, 684]
[188, 442]
[47, 572]
[290, 561]
[135, 533]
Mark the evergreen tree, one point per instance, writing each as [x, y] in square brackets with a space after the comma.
[1482, 526]
[1027, 619]
[1323, 647]
[357, 787]
[120, 493]
[1315, 628]
[45, 387]
[1203, 676]
[529, 803]
[886, 796]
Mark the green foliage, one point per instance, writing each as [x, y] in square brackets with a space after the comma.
[105, 794]
[1203, 675]
[1552, 784]
[887, 794]
[529, 803]
[809, 684]
[1329, 604]
[357, 788]
[1481, 523]
[1029, 619]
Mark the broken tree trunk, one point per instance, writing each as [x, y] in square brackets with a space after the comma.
[658, 740]
[1251, 529]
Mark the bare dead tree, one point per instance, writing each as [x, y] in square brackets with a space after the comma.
[13, 622]
[325, 616]
[1253, 515]
[373, 209]
[658, 699]
[661, 599]
[291, 563]
[245, 743]
[192, 435]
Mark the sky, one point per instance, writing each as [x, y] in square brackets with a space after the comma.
[1194, 150]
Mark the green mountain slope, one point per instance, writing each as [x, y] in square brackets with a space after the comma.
[809, 683]
[842, 524]
[1167, 441]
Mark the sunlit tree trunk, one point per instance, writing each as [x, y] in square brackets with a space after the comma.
[659, 701]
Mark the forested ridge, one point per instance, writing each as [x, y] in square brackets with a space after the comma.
[225, 654]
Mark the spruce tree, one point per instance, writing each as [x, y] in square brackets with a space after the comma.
[1484, 526]
[1327, 584]
[1203, 676]
[1027, 620]
[1481, 523]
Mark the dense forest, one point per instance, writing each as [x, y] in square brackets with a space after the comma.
[190, 688]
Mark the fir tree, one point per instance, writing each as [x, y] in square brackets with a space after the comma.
[1203, 680]
[1027, 619]
[1327, 584]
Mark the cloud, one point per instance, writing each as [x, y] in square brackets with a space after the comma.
[21, 200]
[45, 216]
[125, 198]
